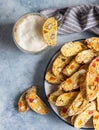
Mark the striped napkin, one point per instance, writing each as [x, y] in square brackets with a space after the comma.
[75, 19]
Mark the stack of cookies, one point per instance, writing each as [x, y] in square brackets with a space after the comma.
[76, 72]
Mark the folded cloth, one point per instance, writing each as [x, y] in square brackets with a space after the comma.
[75, 19]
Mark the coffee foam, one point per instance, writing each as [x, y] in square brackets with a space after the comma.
[28, 32]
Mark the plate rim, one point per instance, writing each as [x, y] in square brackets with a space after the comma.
[45, 92]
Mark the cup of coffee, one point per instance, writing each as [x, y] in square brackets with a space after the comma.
[27, 33]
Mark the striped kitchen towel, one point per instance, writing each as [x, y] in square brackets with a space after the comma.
[76, 19]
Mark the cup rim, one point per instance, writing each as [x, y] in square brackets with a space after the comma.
[16, 43]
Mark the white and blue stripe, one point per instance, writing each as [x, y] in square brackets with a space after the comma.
[76, 19]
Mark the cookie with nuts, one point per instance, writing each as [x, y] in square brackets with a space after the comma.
[22, 104]
[50, 31]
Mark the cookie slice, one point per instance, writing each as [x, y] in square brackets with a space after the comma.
[59, 63]
[74, 81]
[66, 99]
[71, 48]
[51, 78]
[22, 104]
[79, 104]
[96, 120]
[83, 117]
[71, 68]
[50, 31]
[92, 80]
[92, 43]
[85, 56]
[36, 104]
[53, 96]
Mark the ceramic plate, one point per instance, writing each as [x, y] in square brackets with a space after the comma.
[49, 88]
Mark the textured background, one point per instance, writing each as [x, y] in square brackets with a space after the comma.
[18, 70]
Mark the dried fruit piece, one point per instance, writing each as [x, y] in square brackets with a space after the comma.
[63, 112]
